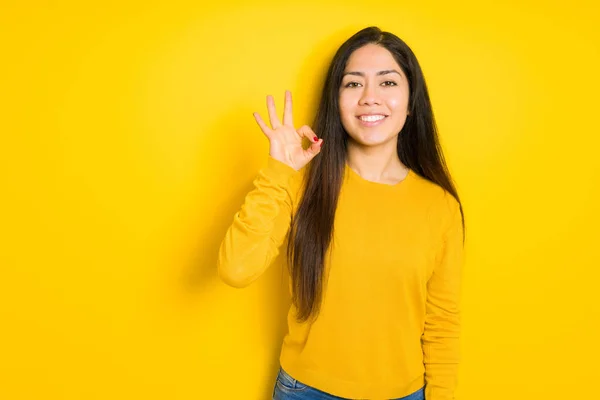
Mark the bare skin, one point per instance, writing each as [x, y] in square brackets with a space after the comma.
[286, 141]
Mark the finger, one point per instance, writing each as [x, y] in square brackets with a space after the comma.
[275, 123]
[308, 133]
[262, 124]
[314, 149]
[287, 112]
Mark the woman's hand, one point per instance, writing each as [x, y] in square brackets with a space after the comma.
[285, 140]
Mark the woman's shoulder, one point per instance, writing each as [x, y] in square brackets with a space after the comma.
[434, 195]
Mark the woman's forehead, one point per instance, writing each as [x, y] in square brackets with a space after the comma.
[371, 59]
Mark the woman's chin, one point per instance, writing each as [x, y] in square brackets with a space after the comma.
[372, 138]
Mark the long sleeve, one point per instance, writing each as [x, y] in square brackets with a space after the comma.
[440, 339]
[259, 228]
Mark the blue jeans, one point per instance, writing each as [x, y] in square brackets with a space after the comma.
[288, 388]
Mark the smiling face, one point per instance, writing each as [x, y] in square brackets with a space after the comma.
[373, 96]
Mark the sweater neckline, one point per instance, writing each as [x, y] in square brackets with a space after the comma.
[353, 175]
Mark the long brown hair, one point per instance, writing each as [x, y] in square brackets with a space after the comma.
[419, 149]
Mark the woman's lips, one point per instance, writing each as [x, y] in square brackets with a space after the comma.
[372, 123]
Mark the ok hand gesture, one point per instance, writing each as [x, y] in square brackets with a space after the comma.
[285, 140]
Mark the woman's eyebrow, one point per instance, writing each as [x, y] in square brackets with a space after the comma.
[384, 72]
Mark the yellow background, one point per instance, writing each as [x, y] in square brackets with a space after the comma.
[128, 142]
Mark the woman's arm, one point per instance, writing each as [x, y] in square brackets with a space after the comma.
[259, 228]
[440, 339]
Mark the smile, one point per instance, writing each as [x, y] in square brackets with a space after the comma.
[371, 120]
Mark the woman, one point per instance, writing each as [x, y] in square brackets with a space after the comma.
[374, 231]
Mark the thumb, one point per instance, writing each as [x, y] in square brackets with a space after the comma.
[312, 150]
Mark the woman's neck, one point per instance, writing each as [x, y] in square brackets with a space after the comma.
[376, 163]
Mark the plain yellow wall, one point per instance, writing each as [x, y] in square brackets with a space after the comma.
[128, 143]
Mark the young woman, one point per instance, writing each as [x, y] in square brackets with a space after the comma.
[374, 232]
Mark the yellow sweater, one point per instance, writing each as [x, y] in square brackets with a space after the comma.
[389, 320]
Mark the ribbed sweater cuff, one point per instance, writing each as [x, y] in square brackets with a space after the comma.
[279, 172]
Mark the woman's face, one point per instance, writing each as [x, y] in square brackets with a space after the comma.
[373, 96]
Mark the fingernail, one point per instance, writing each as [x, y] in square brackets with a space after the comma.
[316, 139]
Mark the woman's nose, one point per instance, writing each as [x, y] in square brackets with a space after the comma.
[369, 95]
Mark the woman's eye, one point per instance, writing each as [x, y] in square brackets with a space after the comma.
[356, 84]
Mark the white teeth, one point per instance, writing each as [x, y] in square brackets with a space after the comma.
[371, 118]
